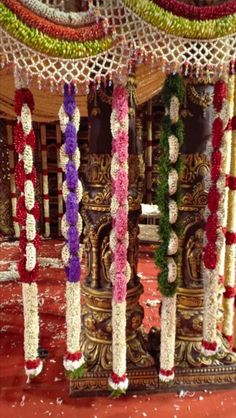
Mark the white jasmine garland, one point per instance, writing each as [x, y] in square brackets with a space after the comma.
[172, 270]
[27, 158]
[174, 109]
[113, 240]
[173, 181]
[59, 16]
[66, 191]
[119, 337]
[115, 206]
[173, 244]
[30, 256]
[173, 211]
[76, 119]
[29, 195]
[31, 320]
[26, 119]
[113, 271]
[116, 125]
[72, 365]
[30, 227]
[64, 158]
[65, 226]
[73, 316]
[65, 254]
[173, 148]
[63, 118]
[168, 326]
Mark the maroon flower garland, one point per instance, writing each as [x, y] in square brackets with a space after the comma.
[27, 213]
[195, 12]
[214, 223]
[85, 33]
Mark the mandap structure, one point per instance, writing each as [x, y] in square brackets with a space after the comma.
[107, 57]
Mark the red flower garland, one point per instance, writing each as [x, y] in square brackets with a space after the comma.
[23, 96]
[209, 346]
[25, 275]
[195, 12]
[167, 372]
[232, 183]
[32, 364]
[73, 357]
[82, 34]
[230, 238]
[229, 292]
[21, 176]
[117, 379]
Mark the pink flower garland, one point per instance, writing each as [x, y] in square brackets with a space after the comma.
[118, 239]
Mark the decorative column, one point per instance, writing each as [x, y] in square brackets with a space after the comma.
[12, 178]
[96, 338]
[190, 294]
[45, 181]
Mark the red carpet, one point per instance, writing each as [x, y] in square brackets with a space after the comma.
[48, 395]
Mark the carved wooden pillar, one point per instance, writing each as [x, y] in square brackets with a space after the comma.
[96, 339]
[197, 121]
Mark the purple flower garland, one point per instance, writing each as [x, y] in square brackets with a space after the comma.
[71, 174]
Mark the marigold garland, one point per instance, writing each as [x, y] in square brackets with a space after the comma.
[27, 215]
[120, 270]
[86, 33]
[214, 250]
[180, 26]
[47, 45]
[71, 229]
[166, 255]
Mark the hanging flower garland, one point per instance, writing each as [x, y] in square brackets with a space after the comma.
[166, 255]
[69, 117]
[215, 218]
[229, 274]
[180, 26]
[197, 12]
[86, 33]
[63, 18]
[27, 213]
[43, 43]
[119, 238]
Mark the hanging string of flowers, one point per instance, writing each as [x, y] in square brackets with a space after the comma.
[197, 12]
[119, 237]
[27, 213]
[61, 17]
[166, 255]
[90, 32]
[215, 215]
[48, 45]
[71, 225]
[229, 273]
[180, 26]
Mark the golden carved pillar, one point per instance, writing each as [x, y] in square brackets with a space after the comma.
[190, 295]
[96, 338]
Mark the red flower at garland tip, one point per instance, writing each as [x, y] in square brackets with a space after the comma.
[166, 372]
[25, 275]
[118, 379]
[73, 356]
[230, 238]
[213, 199]
[229, 292]
[212, 346]
[233, 123]
[217, 132]
[23, 96]
[220, 93]
[32, 364]
[210, 256]
[232, 183]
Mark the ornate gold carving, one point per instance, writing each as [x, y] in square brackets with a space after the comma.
[96, 338]
[194, 251]
[200, 98]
